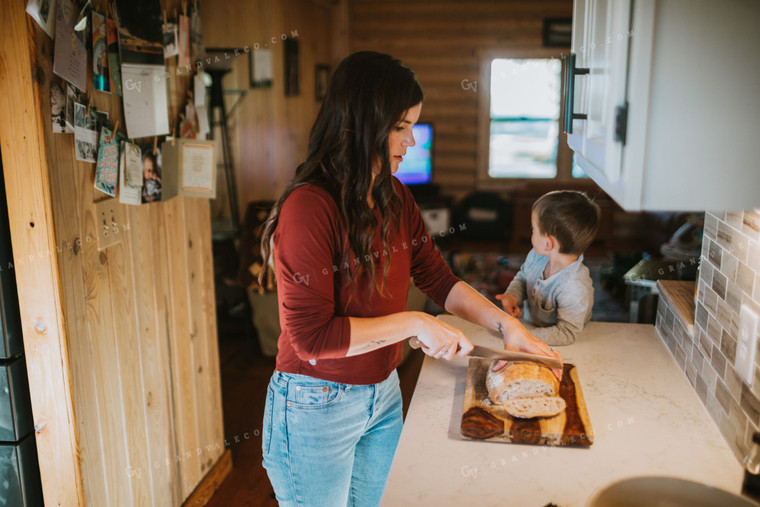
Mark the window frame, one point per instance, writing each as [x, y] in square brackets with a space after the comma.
[564, 153]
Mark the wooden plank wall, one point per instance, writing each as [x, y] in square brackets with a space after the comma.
[40, 289]
[138, 320]
[441, 40]
[269, 131]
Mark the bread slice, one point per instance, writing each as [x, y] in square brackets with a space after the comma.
[541, 406]
[520, 379]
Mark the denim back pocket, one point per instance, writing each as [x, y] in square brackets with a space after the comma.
[313, 395]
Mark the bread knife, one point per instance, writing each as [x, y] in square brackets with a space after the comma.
[504, 354]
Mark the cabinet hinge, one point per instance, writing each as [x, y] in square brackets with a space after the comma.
[621, 122]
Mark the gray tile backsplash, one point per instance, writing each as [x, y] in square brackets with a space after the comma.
[729, 278]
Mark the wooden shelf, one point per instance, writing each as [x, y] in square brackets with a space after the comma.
[679, 295]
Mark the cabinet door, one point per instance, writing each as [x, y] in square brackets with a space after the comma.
[604, 51]
[578, 47]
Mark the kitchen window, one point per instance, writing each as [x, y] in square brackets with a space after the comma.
[520, 137]
[524, 116]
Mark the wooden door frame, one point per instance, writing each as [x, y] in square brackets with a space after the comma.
[30, 213]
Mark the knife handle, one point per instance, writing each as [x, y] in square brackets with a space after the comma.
[415, 343]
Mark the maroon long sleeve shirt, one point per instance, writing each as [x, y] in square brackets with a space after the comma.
[314, 293]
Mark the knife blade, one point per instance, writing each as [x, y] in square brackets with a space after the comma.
[504, 354]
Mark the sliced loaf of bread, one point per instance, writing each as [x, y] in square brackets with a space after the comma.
[520, 379]
[540, 406]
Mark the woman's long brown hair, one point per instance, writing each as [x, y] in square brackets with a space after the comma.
[369, 93]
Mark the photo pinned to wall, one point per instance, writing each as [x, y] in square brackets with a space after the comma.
[69, 54]
[44, 13]
[107, 168]
[130, 173]
[97, 118]
[72, 97]
[291, 68]
[101, 75]
[140, 34]
[260, 68]
[321, 78]
[171, 44]
[85, 134]
[58, 109]
[114, 65]
[151, 168]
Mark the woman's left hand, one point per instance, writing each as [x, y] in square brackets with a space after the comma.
[516, 337]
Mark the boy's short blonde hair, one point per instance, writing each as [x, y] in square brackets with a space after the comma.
[570, 216]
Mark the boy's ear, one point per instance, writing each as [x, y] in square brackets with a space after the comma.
[551, 243]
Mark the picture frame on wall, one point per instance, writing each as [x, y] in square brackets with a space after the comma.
[260, 68]
[291, 68]
[321, 78]
[557, 32]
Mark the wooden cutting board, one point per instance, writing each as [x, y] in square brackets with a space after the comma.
[482, 420]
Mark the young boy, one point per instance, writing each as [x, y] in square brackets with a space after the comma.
[553, 278]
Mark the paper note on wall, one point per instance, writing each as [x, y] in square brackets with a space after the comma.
[70, 55]
[133, 165]
[146, 110]
[199, 90]
[197, 167]
[128, 194]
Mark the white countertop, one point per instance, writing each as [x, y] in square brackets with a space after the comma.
[646, 417]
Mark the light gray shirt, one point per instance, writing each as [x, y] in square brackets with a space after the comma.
[560, 305]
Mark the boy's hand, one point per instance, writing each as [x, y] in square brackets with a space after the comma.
[510, 305]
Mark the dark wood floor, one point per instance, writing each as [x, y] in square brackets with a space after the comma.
[245, 376]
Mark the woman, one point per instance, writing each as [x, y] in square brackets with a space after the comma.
[345, 238]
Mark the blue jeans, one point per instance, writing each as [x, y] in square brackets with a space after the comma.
[329, 444]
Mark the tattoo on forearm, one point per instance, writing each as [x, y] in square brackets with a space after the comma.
[501, 328]
[373, 343]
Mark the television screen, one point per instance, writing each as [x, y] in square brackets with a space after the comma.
[417, 166]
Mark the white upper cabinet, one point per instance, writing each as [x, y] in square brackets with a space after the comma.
[666, 101]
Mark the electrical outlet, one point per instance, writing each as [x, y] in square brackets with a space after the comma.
[747, 344]
[108, 223]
